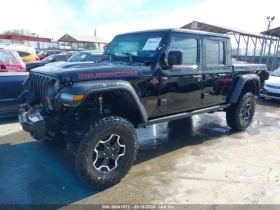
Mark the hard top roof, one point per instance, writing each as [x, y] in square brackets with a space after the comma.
[218, 29]
[169, 30]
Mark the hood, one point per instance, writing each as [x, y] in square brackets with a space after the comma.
[273, 81]
[86, 71]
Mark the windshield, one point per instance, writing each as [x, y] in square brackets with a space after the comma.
[78, 57]
[42, 53]
[142, 47]
[276, 73]
[48, 59]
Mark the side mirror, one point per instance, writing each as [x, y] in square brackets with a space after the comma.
[175, 58]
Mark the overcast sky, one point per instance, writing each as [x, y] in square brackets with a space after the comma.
[111, 17]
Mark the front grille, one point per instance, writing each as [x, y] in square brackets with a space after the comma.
[273, 94]
[273, 86]
[39, 85]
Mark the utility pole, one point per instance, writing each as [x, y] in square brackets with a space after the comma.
[270, 19]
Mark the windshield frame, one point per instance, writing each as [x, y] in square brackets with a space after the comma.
[109, 56]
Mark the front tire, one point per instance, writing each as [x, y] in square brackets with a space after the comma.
[239, 115]
[106, 152]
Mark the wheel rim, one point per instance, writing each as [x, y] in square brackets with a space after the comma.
[246, 112]
[108, 153]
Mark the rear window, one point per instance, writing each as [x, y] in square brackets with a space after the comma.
[23, 54]
[9, 57]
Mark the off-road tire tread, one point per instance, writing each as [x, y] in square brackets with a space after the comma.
[232, 116]
[96, 127]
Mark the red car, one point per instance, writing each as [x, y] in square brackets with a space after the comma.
[46, 53]
[10, 61]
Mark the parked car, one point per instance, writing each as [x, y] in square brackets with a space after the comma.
[50, 59]
[18, 47]
[145, 78]
[272, 85]
[28, 56]
[10, 61]
[69, 53]
[88, 55]
[12, 93]
[46, 53]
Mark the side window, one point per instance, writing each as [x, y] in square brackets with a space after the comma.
[215, 52]
[61, 58]
[23, 54]
[51, 53]
[189, 48]
[94, 58]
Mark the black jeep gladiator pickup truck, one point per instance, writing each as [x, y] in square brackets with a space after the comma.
[143, 78]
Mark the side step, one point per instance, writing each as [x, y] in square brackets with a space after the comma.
[183, 115]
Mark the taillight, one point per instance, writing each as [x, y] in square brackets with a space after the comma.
[37, 58]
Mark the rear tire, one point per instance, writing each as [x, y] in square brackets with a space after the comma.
[240, 114]
[107, 152]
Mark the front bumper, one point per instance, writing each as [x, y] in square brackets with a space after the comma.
[270, 93]
[32, 122]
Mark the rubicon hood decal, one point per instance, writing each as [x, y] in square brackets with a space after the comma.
[101, 75]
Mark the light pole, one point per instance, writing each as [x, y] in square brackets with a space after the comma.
[270, 19]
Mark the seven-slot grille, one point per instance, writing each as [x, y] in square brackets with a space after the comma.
[39, 85]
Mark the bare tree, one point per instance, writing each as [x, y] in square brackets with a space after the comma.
[24, 32]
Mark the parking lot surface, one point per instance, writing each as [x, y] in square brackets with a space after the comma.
[197, 160]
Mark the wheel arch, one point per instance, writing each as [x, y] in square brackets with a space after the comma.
[123, 103]
[248, 82]
[119, 94]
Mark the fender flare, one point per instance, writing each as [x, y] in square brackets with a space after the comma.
[89, 88]
[240, 82]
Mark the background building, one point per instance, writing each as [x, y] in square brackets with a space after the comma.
[36, 42]
[82, 42]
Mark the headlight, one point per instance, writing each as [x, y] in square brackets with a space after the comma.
[56, 87]
[53, 89]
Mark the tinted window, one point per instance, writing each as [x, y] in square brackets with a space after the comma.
[51, 53]
[48, 59]
[94, 58]
[8, 57]
[61, 58]
[78, 57]
[214, 52]
[189, 48]
[23, 54]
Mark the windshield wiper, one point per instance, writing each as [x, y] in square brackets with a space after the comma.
[110, 54]
[130, 56]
